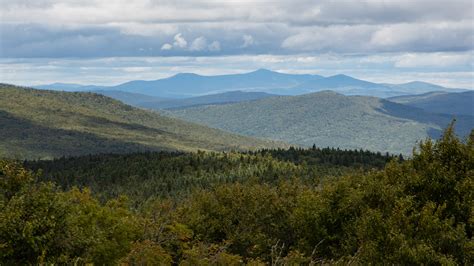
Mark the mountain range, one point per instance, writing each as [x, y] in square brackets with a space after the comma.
[461, 103]
[185, 85]
[160, 103]
[287, 109]
[44, 124]
[328, 119]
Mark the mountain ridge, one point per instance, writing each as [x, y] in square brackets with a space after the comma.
[461, 103]
[45, 124]
[328, 119]
[185, 85]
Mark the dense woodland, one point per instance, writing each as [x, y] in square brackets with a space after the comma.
[278, 207]
[141, 176]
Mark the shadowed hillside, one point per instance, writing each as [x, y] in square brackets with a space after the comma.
[38, 123]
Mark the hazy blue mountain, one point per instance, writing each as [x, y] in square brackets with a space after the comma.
[328, 119]
[459, 103]
[189, 85]
[68, 87]
[419, 87]
[220, 98]
[343, 84]
[130, 98]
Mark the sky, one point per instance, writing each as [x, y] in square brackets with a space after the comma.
[114, 41]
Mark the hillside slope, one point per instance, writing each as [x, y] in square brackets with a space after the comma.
[220, 98]
[458, 103]
[130, 98]
[39, 124]
[328, 119]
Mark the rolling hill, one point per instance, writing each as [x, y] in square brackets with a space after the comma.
[458, 103]
[44, 124]
[219, 98]
[157, 103]
[328, 119]
[58, 86]
[346, 85]
[130, 98]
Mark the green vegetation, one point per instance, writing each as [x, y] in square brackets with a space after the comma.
[141, 176]
[272, 209]
[44, 124]
[162, 174]
[328, 119]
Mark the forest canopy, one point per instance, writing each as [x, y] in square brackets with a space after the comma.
[269, 207]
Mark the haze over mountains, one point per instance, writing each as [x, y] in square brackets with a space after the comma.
[461, 103]
[190, 85]
[298, 109]
[252, 104]
[220, 98]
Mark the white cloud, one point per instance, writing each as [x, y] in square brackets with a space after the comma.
[303, 12]
[166, 46]
[116, 70]
[215, 46]
[281, 27]
[340, 38]
[432, 36]
[199, 44]
[247, 41]
[179, 41]
[145, 29]
[404, 37]
[430, 60]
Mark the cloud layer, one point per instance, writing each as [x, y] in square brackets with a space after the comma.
[96, 28]
[113, 41]
[448, 69]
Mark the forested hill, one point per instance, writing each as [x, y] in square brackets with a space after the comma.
[39, 124]
[141, 176]
[328, 119]
[301, 207]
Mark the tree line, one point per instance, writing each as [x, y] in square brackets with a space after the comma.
[240, 209]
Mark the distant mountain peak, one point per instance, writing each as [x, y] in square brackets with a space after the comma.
[323, 92]
[185, 75]
[341, 76]
[417, 82]
[263, 71]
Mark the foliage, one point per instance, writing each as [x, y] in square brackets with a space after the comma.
[144, 175]
[48, 124]
[415, 211]
[330, 157]
[327, 119]
[41, 224]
